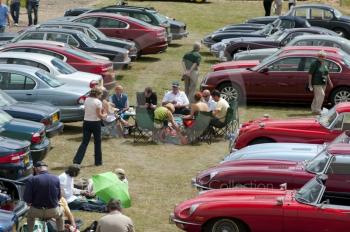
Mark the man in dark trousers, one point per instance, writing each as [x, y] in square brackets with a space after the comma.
[42, 194]
[267, 7]
[32, 5]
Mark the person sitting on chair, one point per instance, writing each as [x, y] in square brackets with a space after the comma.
[178, 99]
[220, 111]
[198, 106]
[164, 115]
[207, 99]
[151, 99]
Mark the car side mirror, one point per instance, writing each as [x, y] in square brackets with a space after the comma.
[279, 201]
[323, 204]
[264, 70]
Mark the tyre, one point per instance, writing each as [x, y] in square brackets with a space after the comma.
[225, 225]
[199, 1]
[261, 140]
[341, 32]
[341, 94]
[231, 92]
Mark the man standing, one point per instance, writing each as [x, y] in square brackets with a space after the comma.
[32, 5]
[4, 16]
[278, 7]
[42, 194]
[190, 63]
[220, 111]
[14, 9]
[267, 7]
[177, 98]
[115, 220]
[318, 79]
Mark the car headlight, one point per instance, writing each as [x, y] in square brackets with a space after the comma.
[193, 208]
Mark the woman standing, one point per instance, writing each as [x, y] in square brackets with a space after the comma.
[92, 125]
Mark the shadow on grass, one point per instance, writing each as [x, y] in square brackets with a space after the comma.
[72, 129]
[187, 1]
[119, 77]
[211, 61]
[148, 59]
[301, 115]
[63, 168]
[172, 45]
[206, 54]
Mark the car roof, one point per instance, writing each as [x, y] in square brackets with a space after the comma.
[299, 21]
[334, 53]
[314, 5]
[44, 29]
[66, 23]
[339, 149]
[140, 8]
[112, 15]
[343, 107]
[323, 37]
[44, 43]
[311, 48]
[27, 55]
[19, 67]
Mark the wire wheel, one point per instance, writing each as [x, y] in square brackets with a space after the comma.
[230, 92]
[342, 95]
[225, 225]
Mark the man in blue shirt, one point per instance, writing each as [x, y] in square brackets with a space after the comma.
[42, 194]
[4, 16]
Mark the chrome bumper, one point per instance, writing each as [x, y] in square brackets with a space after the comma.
[198, 186]
[173, 220]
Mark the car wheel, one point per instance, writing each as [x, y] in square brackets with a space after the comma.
[225, 225]
[341, 32]
[199, 1]
[230, 92]
[340, 95]
[261, 140]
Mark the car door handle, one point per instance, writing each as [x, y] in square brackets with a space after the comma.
[29, 94]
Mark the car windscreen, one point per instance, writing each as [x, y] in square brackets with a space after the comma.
[161, 18]
[48, 78]
[337, 13]
[4, 117]
[6, 100]
[63, 67]
[310, 192]
[80, 54]
[88, 42]
[318, 163]
[278, 35]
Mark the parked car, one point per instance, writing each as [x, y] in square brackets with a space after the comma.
[317, 130]
[94, 34]
[278, 39]
[315, 207]
[82, 61]
[56, 67]
[13, 208]
[119, 56]
[148, 15]
[26, 83]
[319, 15]
[332, 160]
[252, 63]
[48, 115]
[21, 129]
[148, 39]
[282, 79]
[303, 40]
[281, 23]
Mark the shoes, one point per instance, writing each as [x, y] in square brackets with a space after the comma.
[98, 164]
[16, 24]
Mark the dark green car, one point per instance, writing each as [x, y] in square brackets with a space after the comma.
[21, 129]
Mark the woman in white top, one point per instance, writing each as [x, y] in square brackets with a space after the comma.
[92, 125]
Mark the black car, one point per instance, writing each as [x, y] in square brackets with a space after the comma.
[175, 29]
[48, 115]
[278, 39]
[15, 159]
[119, 56]
[94, 34]
[281, 23]
[319, 15]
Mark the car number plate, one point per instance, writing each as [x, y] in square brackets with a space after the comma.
[55, 117]
[26, 159]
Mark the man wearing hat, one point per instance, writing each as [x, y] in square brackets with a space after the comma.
[177, 98]
[42, 194]
[190, 64]
[318, 80]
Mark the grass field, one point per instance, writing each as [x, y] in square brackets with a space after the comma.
[159, 175]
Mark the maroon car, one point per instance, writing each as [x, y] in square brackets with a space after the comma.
[82, 61]
[283, 78]
[148, 39]
[333, 161]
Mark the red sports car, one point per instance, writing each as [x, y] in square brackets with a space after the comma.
[315, 130]
[82, 61]
[252, 63]
[313, 208]
[333, 161]
[148, 39]
[282, 79]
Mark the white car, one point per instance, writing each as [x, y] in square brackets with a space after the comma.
[56, 67]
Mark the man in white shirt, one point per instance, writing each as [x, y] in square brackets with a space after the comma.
[220, 111]
[75, 197]
[178, 99]
[207, 99]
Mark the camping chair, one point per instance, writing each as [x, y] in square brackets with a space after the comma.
[231, 122]
[143, 125]
[141, 99]
[200, 129]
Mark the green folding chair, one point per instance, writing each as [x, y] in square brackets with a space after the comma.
[144, 128]
[200, 129]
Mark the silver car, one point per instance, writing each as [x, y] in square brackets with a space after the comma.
[31, 84]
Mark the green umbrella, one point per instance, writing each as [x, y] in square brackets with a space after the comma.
[107, 186]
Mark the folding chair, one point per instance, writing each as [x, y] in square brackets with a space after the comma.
[143, 125]
[231, 122]
[200, 129]
[140, 99]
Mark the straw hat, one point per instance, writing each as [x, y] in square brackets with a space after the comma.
[170, 107]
